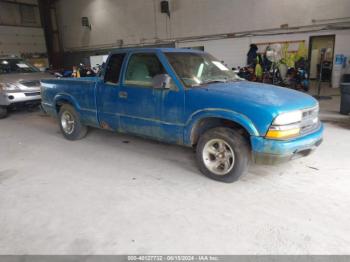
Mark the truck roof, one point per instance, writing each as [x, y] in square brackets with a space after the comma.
[164, 50]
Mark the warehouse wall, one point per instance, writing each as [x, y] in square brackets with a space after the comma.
[233, 51]
[139, 21]
[20, 29]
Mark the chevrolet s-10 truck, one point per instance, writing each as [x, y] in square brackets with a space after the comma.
[189, 98]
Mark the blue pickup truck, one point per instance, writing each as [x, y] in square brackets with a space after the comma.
[189, 98]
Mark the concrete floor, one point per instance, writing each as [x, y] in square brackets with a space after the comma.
[115, 194]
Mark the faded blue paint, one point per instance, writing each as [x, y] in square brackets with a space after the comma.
[222, 113]
[260, 103]
[171, 115]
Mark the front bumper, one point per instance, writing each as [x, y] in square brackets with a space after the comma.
[13, 98]
[270, 152]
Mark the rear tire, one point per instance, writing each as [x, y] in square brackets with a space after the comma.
[223, 154]
[70, 124]
[3, 112]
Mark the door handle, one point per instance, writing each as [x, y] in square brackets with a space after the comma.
[123, 94]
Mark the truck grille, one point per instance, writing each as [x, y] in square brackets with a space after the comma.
[31, 83]
[310, 120]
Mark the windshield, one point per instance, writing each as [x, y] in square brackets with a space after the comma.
[8, 66]
[196, 69]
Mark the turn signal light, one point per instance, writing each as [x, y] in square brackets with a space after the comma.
[283, 134]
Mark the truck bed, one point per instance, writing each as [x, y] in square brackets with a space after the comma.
[80, 92]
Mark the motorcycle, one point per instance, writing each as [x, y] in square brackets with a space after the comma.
[298, 76]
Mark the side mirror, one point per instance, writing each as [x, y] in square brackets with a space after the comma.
[161, 81]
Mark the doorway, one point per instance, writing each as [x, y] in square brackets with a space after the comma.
[321, 47]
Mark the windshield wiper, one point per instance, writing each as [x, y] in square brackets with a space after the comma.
[211, 81]
[236, 80]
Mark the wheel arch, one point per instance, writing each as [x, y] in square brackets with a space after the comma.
[204, 121]
[62, 99]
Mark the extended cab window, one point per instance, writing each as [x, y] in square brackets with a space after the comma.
[113, 69]
[142, 68]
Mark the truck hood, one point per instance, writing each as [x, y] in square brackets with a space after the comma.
[278, 99]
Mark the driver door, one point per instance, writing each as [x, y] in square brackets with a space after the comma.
[139, 101]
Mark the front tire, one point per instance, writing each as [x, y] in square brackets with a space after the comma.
[3, 112]
[222, 154]
[70, 124]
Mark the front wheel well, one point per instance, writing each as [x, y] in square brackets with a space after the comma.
[211, 122]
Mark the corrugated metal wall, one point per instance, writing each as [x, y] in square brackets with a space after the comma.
[20, 28]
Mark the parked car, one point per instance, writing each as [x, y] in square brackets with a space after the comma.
[19, 84]
[189, 98]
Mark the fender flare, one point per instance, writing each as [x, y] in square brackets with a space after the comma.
[229, 115]
[66, 97]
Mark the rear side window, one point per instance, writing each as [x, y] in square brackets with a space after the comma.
[113, 68]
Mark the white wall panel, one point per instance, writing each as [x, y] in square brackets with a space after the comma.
[137, 21]
[133, 21]
[233, 51]
[140, 21]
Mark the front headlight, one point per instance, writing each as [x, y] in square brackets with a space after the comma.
[8, 87]
[288, 118]
[286, 125]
